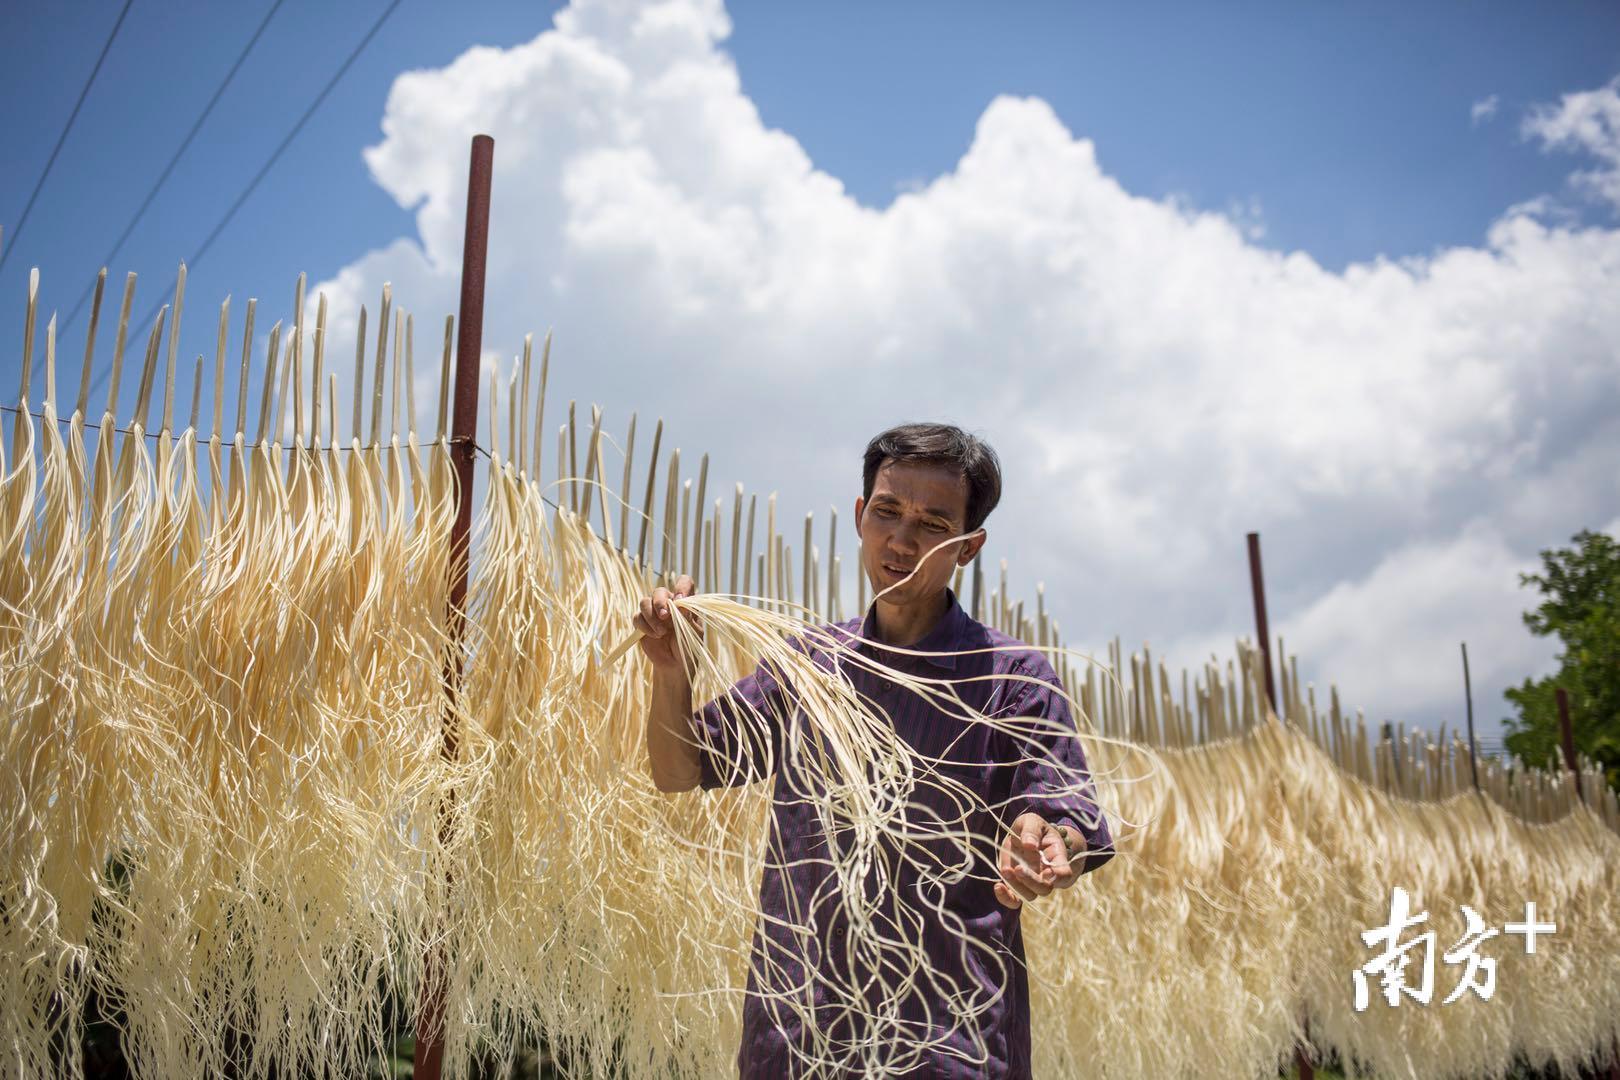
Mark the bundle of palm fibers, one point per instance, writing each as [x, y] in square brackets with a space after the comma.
[582, 913]
[1236, 917]
[587, 911]
[227, 810]
[221, 752]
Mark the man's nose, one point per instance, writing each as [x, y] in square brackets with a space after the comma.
[904, 538]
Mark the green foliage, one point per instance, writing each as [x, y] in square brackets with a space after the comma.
[1580, 587]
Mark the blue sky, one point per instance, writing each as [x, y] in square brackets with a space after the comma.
[1194, 269]
[1348, 128]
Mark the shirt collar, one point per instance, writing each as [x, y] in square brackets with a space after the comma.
[944, 641]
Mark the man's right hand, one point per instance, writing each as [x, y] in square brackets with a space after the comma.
[657, 625]
[672, 754]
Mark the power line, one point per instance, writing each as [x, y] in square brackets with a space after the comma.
[16, 233]
[267, 166]
[173, 161]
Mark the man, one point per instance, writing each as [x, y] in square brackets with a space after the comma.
[926, 488]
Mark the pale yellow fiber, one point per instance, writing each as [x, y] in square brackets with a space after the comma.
[225, 805]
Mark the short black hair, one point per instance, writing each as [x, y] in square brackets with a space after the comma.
[945, 444]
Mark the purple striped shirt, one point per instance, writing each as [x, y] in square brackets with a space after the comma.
[797, 946]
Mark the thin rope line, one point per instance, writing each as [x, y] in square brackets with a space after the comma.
[264, 169]
[202, 443]
[16, 233]
[63, 421]
[168, 169]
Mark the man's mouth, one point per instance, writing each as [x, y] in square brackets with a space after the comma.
[897, 569]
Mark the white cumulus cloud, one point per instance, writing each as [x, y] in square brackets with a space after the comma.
[1421, 593]
[1156, 381]
[1586, 121]
[1483, 110]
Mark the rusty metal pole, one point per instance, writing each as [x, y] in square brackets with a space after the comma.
[1566, 734]
[1257, 583]
[1302, 1060]
[1468, 694]
[1394, 752]
[429, 1054]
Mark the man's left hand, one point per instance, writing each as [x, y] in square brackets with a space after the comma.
[1035, 860]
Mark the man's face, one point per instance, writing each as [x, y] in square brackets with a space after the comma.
[913, 507]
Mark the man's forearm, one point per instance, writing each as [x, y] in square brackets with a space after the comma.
[671, 752]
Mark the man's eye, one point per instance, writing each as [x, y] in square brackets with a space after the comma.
[935, 526]
[883, 511]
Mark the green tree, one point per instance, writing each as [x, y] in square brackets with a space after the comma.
[1580, 587]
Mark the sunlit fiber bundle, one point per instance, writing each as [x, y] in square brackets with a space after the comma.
[252, 799]
[220, 674]
[1234, 918]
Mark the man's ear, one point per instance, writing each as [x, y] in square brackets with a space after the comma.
[860, 505]
[970, 548]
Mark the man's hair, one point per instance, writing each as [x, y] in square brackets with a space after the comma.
[945, 444]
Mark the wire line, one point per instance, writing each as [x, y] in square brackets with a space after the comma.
[275, 156]
[168, 169]
[16, 233]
